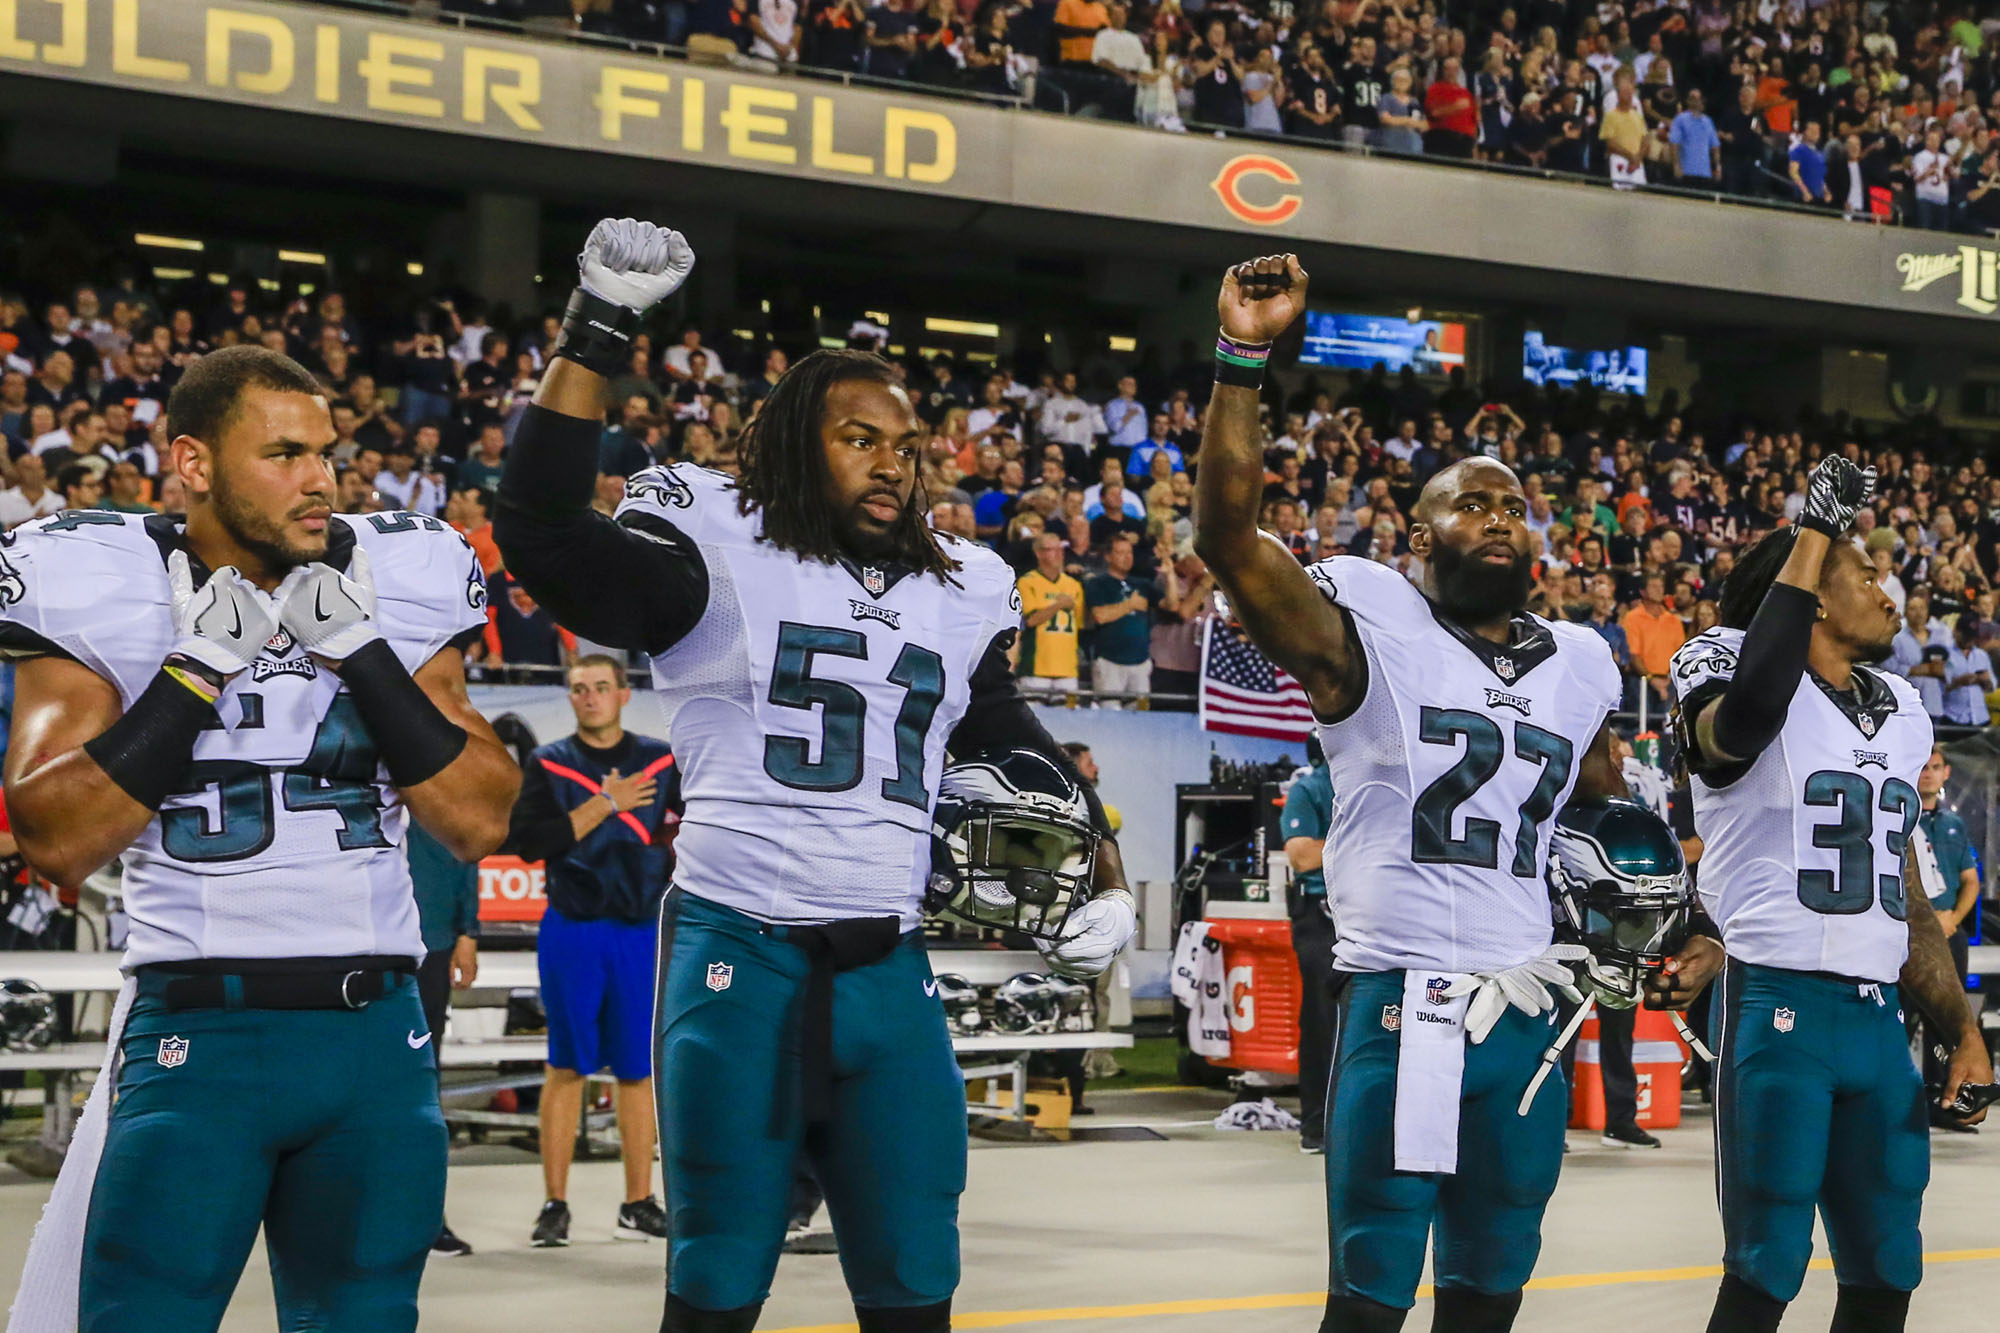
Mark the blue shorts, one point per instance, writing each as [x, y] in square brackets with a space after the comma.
[597, 987]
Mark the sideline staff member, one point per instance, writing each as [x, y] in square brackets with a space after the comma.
[1307, 817]
[599, 808]
[1951, 843]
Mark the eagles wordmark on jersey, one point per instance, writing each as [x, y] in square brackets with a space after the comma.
[288, 837]
[1802, 862]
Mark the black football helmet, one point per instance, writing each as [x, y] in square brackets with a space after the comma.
[1620, 889]
[27, 1016]
[1012, 844]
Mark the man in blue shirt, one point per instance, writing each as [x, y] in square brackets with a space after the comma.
[1968, 675]
[1809, 167]
[1140, 464]
[1951, 843]
[1919, 651]
[1697, 147]
[1120, 609]
[599, 808]
[1307, 817]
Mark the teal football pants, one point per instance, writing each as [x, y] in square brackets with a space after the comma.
[320, 1125]
[1488, 1216]
[1817, 1105]
[891, 1160]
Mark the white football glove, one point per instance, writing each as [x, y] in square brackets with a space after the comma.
[634, 263]
[330, 613]
[1526, 987]
[1095, 933]
[225, 623]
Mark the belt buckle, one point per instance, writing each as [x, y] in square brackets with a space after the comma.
[345, 998]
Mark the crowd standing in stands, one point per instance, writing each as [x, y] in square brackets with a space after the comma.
[1084, 487]
[1877, 108]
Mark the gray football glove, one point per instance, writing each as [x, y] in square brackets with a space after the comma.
[330, 613]
[225, 623]
[1836, 492]
[1096, 933]
[634, 263]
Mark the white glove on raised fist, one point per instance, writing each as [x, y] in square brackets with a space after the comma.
[331, 614]
[1095, 933]
[225, 623]
[634, 263]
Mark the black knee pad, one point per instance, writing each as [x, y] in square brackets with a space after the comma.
[1358, 1314]
[1460, 1310]
[1870, 1310]
[1742, 1308]
[906, 1319]
[680, 1317]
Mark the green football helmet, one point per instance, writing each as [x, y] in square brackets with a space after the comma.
[1620, 888]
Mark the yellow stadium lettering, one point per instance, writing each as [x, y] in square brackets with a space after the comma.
[824, 155]
[744, 118]
[11, 45]
[694, 114]
[615, 100]
[516, 98]
[326, 63]
[125, 57]
[276, 34]
[384, 74]
[70, 50]
[898, 122]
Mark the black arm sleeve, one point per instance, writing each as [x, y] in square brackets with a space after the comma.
[1753, 705]
[637, 584]
[539, 829]
[998, 718]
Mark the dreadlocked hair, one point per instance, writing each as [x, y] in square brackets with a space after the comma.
[1756, 570]
[784, 472]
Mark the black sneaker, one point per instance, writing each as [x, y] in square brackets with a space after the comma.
[448, 1245]
[551, 1225]
[1627, 1136]
[1312, 1145]
[644, 1220]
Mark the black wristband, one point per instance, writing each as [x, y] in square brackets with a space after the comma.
[415, 740]
[597, 334]
[147, 751]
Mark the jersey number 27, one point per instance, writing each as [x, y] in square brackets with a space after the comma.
[1485, 752]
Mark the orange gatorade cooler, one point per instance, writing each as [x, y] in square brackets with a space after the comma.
[1657, 1056]
[1261, 981]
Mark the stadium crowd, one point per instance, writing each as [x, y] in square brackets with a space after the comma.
[1882, 109]
[1084, 487]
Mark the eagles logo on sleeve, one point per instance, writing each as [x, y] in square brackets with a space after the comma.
[12, 586]
[661, 486]
[475, 586]
[1324, 578]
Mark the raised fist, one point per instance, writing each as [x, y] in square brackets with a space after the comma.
[634, 263]
[1836, 492]
[1260, 299]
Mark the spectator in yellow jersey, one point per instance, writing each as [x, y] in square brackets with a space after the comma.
[1051, 600]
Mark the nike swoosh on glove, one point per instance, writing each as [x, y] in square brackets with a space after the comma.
[225, 623]
[1096, 933]
[634, 263]
[330, 613]
[1526, 987]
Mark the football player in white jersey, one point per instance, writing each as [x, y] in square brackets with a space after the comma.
[1803, 764]
[1455, 726]
[816, 647]
[248, 706]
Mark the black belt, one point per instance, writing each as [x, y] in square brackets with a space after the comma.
[352, 983]
[838, 946]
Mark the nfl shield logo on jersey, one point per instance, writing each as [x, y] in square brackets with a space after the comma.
[1503, 667]
[1867, 721]
[873, 579]
[173, 1051]
[1392, 1017]
[720, 975]
[1783, 1019]
[1434, 990]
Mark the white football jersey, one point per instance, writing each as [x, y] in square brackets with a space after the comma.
[809, 710]
[1448, 775]
[1802, 851]
[287, 842]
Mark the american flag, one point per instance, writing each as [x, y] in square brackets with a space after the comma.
[1242, 692]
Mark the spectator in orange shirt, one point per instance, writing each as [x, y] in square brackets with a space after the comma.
[466, 510]
[1077, 22]
[1654, 631]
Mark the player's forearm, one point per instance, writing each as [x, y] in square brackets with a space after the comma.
[1929, 976]
[1599, 776]
[465, 806]
[1229, 487]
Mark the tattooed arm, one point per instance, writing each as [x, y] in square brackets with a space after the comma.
[1931, 982]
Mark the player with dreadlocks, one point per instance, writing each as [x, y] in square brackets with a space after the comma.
[817, 649]
[1803, 764]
